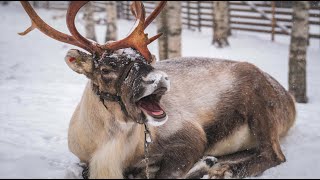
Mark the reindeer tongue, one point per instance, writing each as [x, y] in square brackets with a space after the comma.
[151, 106]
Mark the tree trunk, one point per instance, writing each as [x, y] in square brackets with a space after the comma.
[298, 51]
[112, 30]
[47, 4]
[89, 21]
[221, 24]
[169, 23]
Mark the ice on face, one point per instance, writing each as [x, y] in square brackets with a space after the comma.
[128, 53]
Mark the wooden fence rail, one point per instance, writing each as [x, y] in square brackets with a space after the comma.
[253, 16]
[257, 16]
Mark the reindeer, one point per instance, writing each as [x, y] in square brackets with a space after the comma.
[213, 117]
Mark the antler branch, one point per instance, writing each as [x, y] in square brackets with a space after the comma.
[73, 9]
[155, 13]
[38, 23]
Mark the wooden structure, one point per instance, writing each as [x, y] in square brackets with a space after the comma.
[273, 17]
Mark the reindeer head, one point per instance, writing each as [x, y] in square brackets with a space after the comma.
[121, 71]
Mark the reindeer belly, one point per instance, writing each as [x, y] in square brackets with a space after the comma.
[240, 139]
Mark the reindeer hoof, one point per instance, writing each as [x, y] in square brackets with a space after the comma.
[210, 160]
[221, 171]
[201, 168]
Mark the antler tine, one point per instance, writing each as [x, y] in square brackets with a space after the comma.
[138, 10]
[154, 38]
[73, 9]
[154, 13]
[37, 22]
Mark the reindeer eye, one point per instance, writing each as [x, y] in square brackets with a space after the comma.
[113, 64]
[106, 71]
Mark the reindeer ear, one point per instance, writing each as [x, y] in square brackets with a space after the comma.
[80, 62]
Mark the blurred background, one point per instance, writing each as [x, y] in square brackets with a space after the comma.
[38, 92]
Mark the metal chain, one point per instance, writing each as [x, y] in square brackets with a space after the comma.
[147, 142]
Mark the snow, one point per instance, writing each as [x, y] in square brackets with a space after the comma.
[39, 93]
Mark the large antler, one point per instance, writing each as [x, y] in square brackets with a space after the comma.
[137, 39]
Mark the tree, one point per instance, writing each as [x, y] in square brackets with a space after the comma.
[221, 24]
[298, 50]
[169, 23]
[112, 31]
[89, 21]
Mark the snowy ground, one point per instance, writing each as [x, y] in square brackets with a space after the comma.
[38, 94]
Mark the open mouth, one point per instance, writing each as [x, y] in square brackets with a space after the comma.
[150, 104]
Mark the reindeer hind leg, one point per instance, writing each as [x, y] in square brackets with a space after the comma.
[253, 162]
[266, 154]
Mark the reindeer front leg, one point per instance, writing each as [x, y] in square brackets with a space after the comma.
[106, 163]
[173, 156]
[180, 152]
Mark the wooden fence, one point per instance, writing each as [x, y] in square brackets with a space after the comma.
[273, 17]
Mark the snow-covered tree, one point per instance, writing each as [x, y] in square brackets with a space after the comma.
[169, 22]
[298, 51]
[112, 31]
[221, 24]
[89, 21]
